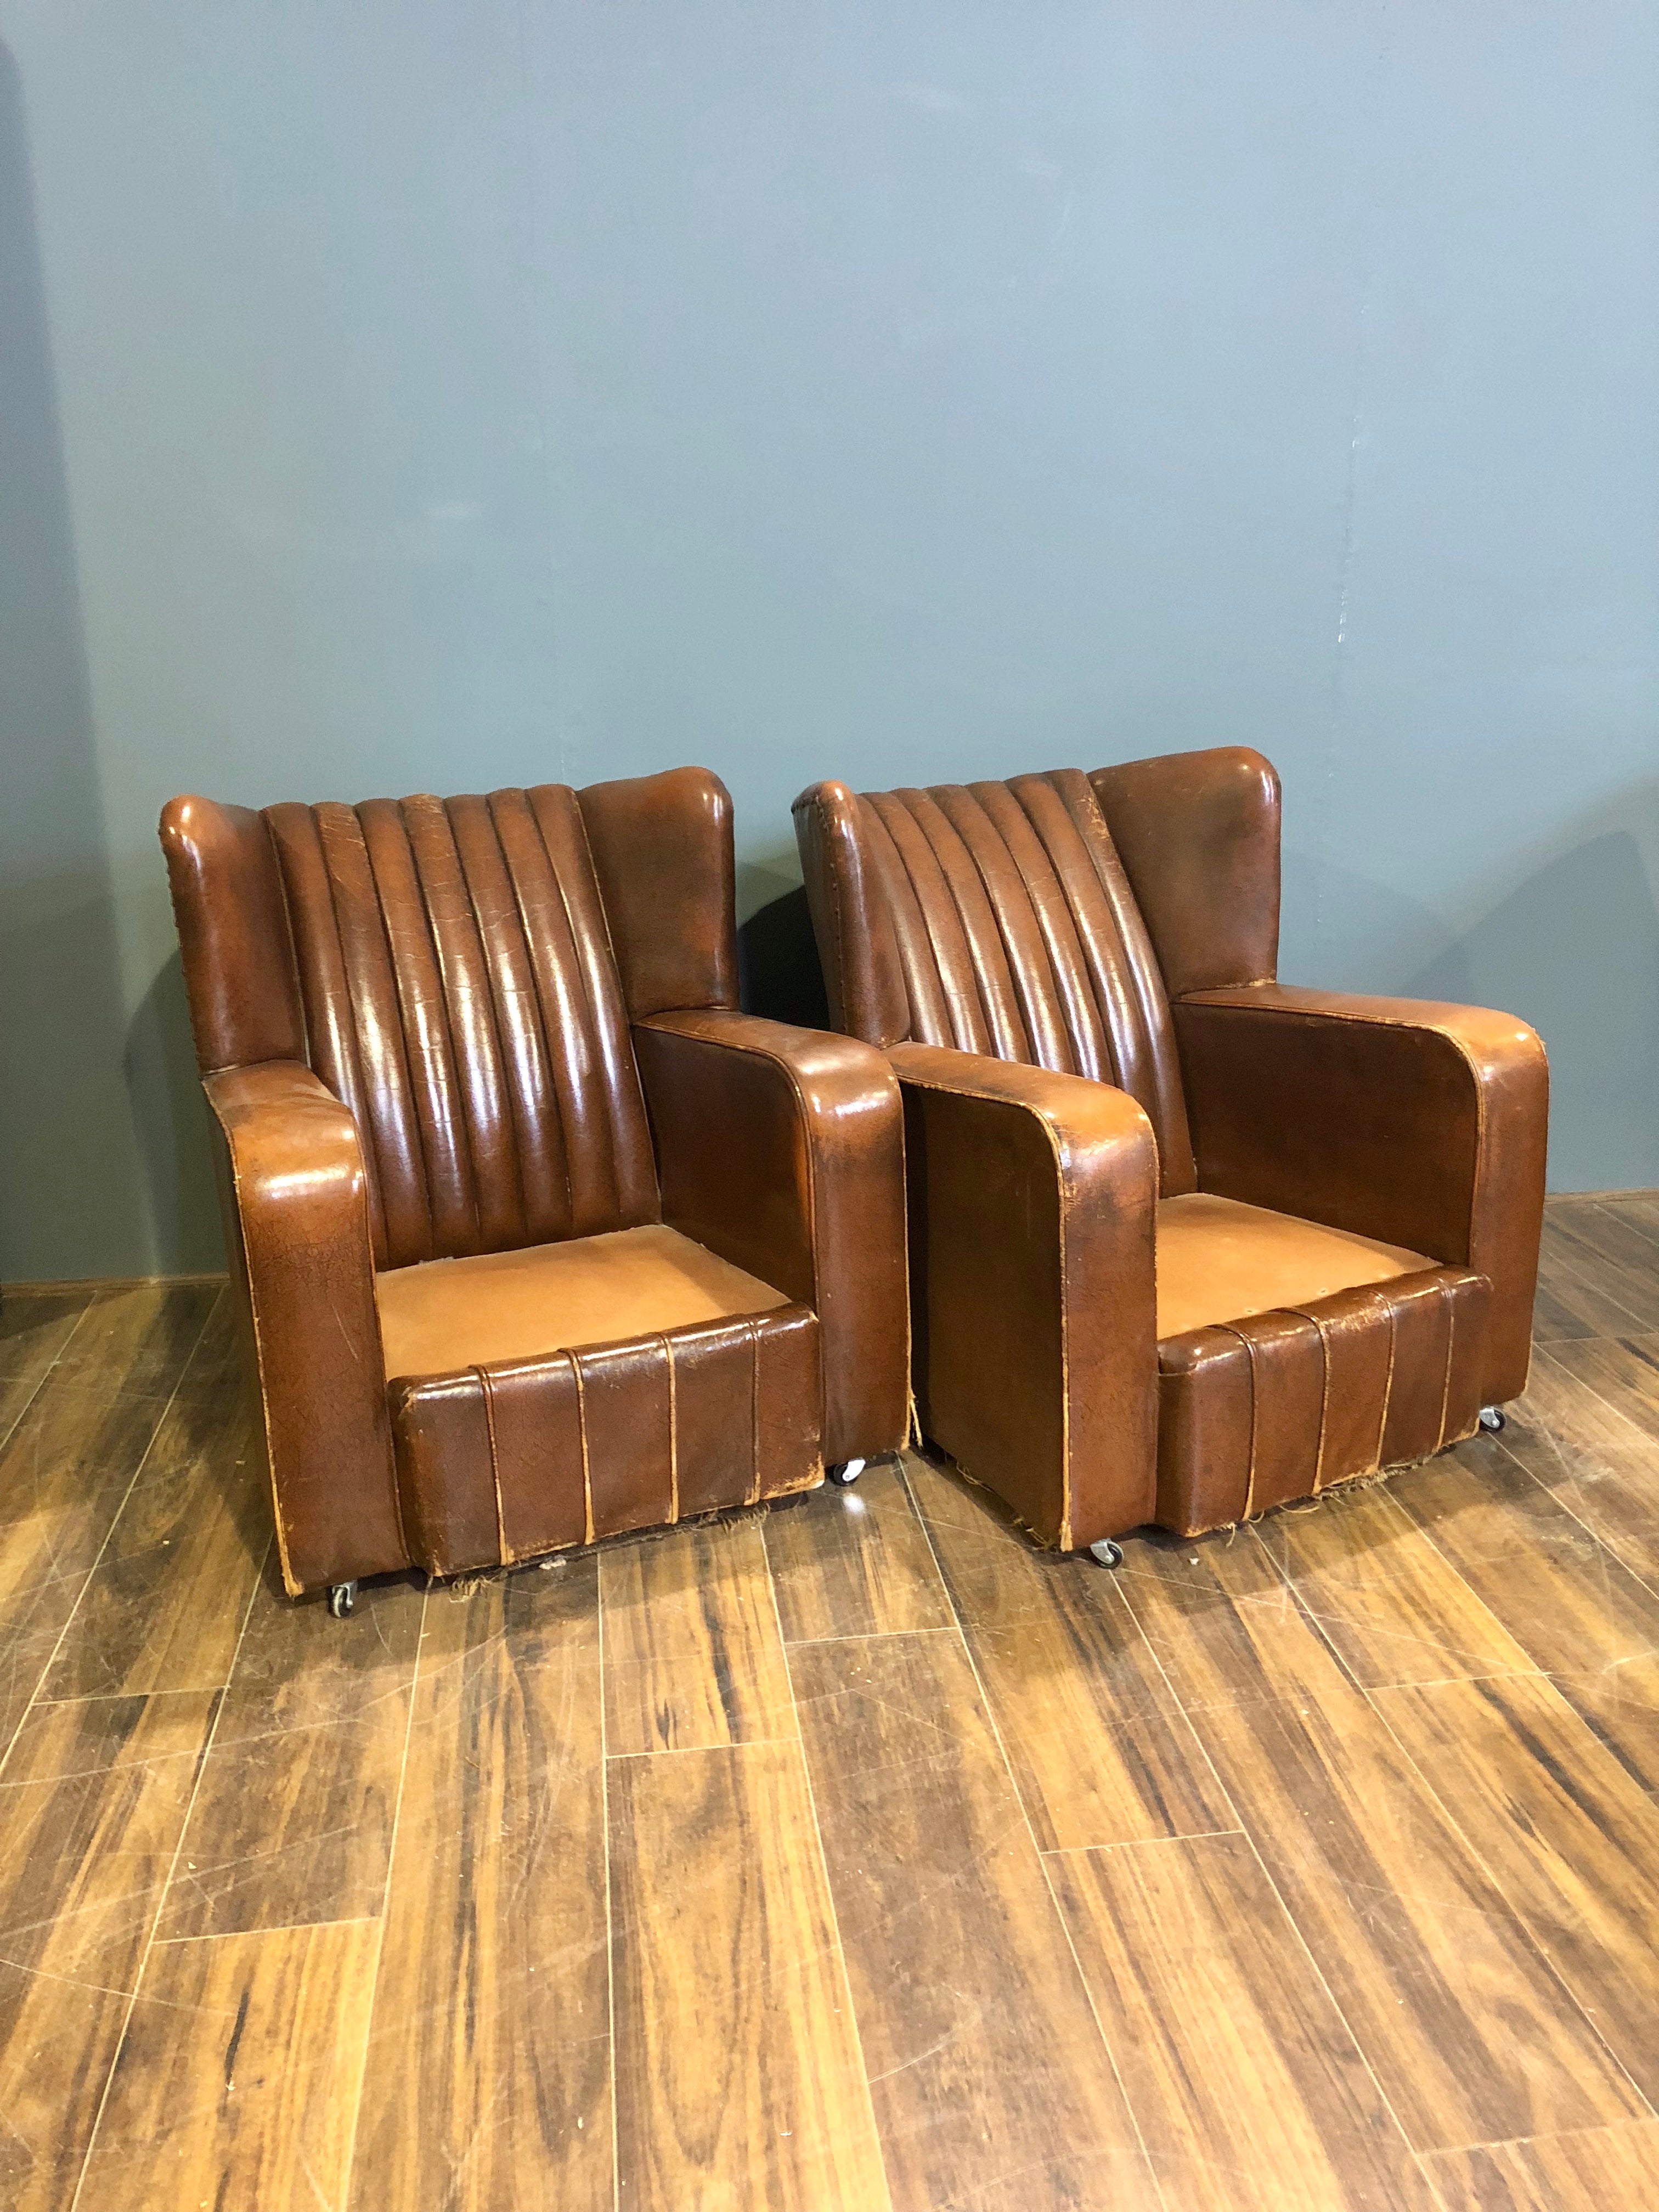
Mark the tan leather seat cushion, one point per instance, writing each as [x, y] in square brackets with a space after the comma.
[1219, 1260]
[497, 1307]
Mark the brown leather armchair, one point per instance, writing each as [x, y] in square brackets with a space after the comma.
[537, 1237]
[1186, 1242]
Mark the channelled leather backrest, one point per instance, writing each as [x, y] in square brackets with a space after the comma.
[996, 917]
[446, 968]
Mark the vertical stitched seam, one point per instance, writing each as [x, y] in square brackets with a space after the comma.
[503, 1552]
[673, 1435]
[1255, 1422]
[753, 1496]
[581, 1428]
[1388, 1381]
[1324, 1402]
[1444, 1291]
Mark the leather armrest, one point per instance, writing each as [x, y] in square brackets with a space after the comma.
[1033, 1204]
[297, 1219]
[1419, 1123]
[781, 1149]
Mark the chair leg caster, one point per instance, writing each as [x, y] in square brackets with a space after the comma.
[1106, 1552]
[1491, 1419]
[845, 1471]
[342, 1597]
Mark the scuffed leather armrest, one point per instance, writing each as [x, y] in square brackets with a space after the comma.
[297, 1221]
[782, 1149]
[1033, 1204]
[1404, 1119]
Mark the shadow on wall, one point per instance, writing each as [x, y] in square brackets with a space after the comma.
[69, 1197]
[778, 970]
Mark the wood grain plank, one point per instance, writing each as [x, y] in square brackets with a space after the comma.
[487, 2081]
[293, 1818]
[1250, 2092]
[1583, 2172]
[738, 2079]
[1579, 1611]
[692, 1652]
[853, 1562]
[65, 1469]
[238, 2078]
[1624, 1372]
[1578, 1243]
[1570, 1839]
[139, 1332]
[1578, 1291]
[1419, 1947]
[91, 1809]
[1392, 1607]
[1101, 1750]
[993, 2087]
[164, 1606]
[34, 1327]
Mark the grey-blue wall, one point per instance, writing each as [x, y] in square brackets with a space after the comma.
[437, 396]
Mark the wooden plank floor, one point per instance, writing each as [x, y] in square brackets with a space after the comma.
[846, 1855]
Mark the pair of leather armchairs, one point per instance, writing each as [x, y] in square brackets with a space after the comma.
[538, 1239]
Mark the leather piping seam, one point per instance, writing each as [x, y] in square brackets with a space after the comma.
[1387, 1380]
[673, 1435]
[836, 934]
[288, 932]
[1024, 1000]
[1303, 1314]
[503, 1058]
[608, 1057]
[453, 1030]
[373, 1142]
[752, 1496]
[1444, 1290]
[581, 1429]
[975, 964]
[516, 889]
[504, 1551]
[1255, 1419]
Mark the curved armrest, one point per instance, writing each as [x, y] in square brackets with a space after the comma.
[782, 1149]
[1034, 1201]
[1404, 1119]
[296, 1219]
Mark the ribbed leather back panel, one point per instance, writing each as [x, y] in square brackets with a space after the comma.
[1018, 936]
[461, 997]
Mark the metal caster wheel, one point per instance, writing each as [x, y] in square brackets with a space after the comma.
[845, 1471]
[342, 1597]
[1106, 1552]
[1491, 1419]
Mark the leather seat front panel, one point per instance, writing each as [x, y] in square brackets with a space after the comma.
[504, 1461]
[1283, 1404]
